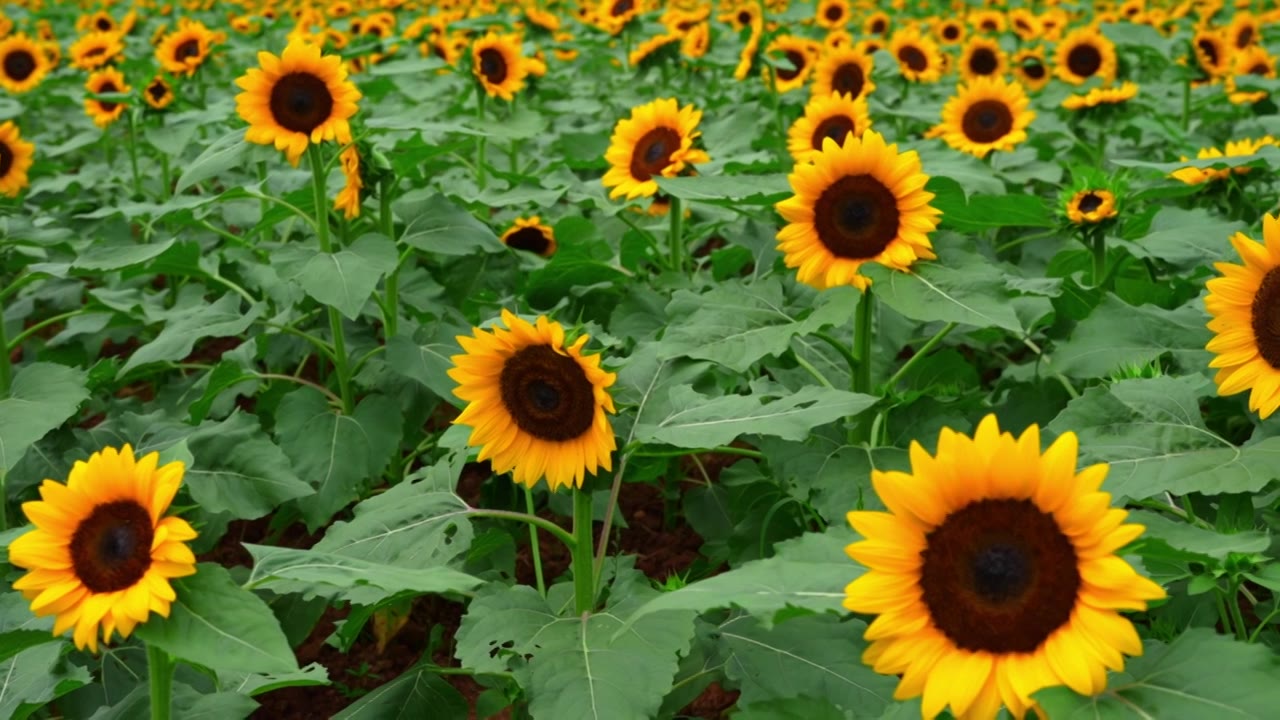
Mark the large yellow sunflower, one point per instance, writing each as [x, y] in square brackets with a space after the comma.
[102, 553]
[22, 63]
[835, 116]
[16, 156]
[185, 49]
[986, 114]
[1245, 305]
[982, 57]
[105, 81]
[96, 49]
[657, 139]
[918, 57]
[536, 406]
[994, 574]
[859, 202]
[797, 51]
[844, 70]
[1083, 54]
[499, 64]
[299, 98]
[530, 235]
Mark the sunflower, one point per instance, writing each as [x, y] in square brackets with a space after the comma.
[982, 57]
[745, 15]
[22, 64]
[1213, 53]
[845, 71]
[1234, 148]
[96, 49]
[986, 114]
[16, 156]
[696, 41]
[1091, 206]
[499, 65]
[987, 21]
[1029, 68]
[832, 14]
[100, 21]
[530, 235]
[652, 47]
[185, 49]
[1244, 305]
[657, 139]
[1253, 60]
[877, 23]
[994, 575]
[1101, 96]
[949, 31]
[613, 15]
[834, 116]
[1025, 24]
[859, 202]
[1244, 30]
[1084, 54]
[158, 94]
[837, 40]
[799, 53]
[105, 81]
[299, 98]
[102, 553]
[918, 57]
[536, 406]
[348, 198]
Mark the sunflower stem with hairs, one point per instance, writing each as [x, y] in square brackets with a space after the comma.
[677, 234]
[863, 337]
[160, 669]
[335, 319]
[534, 550]
[919, 355]
[584, 585]
[1097, 242]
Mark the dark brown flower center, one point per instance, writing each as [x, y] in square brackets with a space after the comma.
[999, 576]
[547, 394]
[989, 25]
[621, 7]
[531, 239]
[1266, 318]
[744, 17]
[95, 51]
[856, 217]
[849, 79]
[1033, 69]
[493, 66]
[1259, 69]
[19, 64]
[1089, 202]
[186, 49]
[1210, 50]
[107, 87]
[6, 159]
[878, 26]
[950, 32]
[1084, 60]
[111, 549]
[983, 62]
[914, 57]
[834, 13]
[798, 62]
[1244, 37]
[157, 90]
[836, 127]
[653, 153]
[987, 121]
[300, 102]
[105, 23]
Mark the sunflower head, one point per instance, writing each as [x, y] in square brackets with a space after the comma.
[1085, 54]
[96, 49]
[949, 31]
[530, 235]
[834, 117]
[877, 23]
[298, 98]
[102, 82]
[1029, 68]
[986, 114]
[536, 405]
[348, 198]
[22, 63]
[993, 574]
[1245, 306]
[183, 51]
[158, 94]
[982, 57]
[832, 14]
[500, 65]
[1213, 53]
[798, 54]
[102, 551]
[16, 156]
[918, 57]
[657, 140]
[858, 202]
[844, 70]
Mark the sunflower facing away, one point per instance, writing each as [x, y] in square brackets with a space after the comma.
[530, 235]
[1245, 305]
[994, 574]
[182, 51]
[299, 98]
[843, 70]
[500, 65]
[22, 64]
[158, 94]
[102, 82]
[986, 114]
[835, 116]
[1087, 207]
[95, 50]
[658, 140]
[536, 407]
[102, 553]
[16, 156]
[859, 202]
[1085, 54]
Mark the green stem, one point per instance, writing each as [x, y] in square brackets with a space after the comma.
[533, 520]
[1233, 604]
[13, 344]
[481, 140]
[391, 308]
[335, 319]
[1098, 246]
[584, 586]
[860, 430]
[160, 671]
[841, 348]
[720, 450]
[677, 234]
[166, 177]
[817, 374]
[133, 154]
[535, 551]
[920, 355]
[1186, 105]
[6, 364]
[263, 203]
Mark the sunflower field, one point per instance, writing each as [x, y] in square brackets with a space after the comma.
[629, 359]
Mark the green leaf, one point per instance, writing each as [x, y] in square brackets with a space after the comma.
[426, 357]
[418, 693]
[1190, 538]
[42, 396]
[216, 623]
[100, 257]
[738, 190]
[1186, 238]
[1152, 434]
[980, 212]
[810, 656]
[792, 708]
[239, 471]
[969, 292]
[1201, 674]
[182, 328]
[222, 155]
[35, 676]
[1117, 335]
[435, 225]
[343, 279]
[19, 628]
[319, 574]
[253, 684]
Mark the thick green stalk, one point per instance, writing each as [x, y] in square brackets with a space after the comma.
[160, 671]
[860, 430]
[166, 177]
[534, 550]
[920, 355]
[677, 234]
[6, 366]
[335, 319]
[584, 585]
[1098, 247]
[391, 316]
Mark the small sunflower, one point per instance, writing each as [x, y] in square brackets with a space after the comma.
[614, 15]
[1255, 61]
[799, 53]
[837, 40]
[918, 57]
[949, 31]
[158, 94]
[1025, 24]
[846, 70]
[987, 21]
[832, 14]
[530, 235]
[1083, 54]
[536, 406]
[96, 49]
[22, 63]
[652, 47]
[696, 41]
[102, 552]
[348, 198]
[1091, 206]
[657, 139]
[986, 114]
[835, 116]
[184, 50]
[16, 156]
[746, 15]
[877, 23]
[993, 574]
[298, 98]
[1245, 305]
[1101, 96]
[982, 57]
[499, 65]
[859, 202]
[1029, 68]
[102, 82]
[1244, 30]
[1213, 52]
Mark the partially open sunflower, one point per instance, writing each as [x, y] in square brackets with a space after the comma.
[105, 81]
[835, 116]
[845, 70]
[614, 15]
[158, 94]
[184, 50]
[994, 574]
[986, 114]
[16, 156]
[918, 57]
[797, 51]
[22, 63]
[1091, 206]
[656, 140]
[1245, 305]
[102, 552]
[96, 49]
[298, 98]
[982, 57]
[1029, 68]
[1025, 24]
[1083, 54]
[500, 65]
[537, 408]
[877, 23]
[859, 202]
[530, 235]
